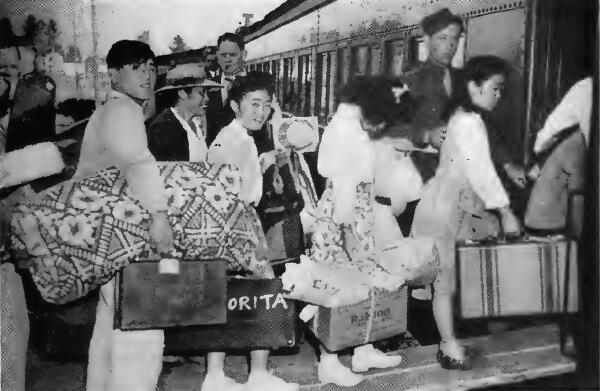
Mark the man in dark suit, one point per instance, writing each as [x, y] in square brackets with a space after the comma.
[178, 133]
[431, 83]
[231, 55]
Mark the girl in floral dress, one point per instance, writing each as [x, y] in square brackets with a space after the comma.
[369, 182]
[465, 185]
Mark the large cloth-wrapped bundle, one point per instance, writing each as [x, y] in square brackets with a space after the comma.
[75, 236]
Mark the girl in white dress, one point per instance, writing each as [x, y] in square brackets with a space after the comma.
[355, 230]
[464, 187]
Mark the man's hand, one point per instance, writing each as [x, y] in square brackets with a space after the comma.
[516, 174]
[510, 223]
[267, 159]
[263, 272]
[534, 173]
[161, 232]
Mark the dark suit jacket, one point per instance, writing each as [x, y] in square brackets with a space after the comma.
[217, 115]
[32, 116]
[167, 139]
[426, 84]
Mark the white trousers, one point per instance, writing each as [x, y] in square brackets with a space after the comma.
[15, 329]
[122, 360]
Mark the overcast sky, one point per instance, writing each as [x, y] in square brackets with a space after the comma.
[199, 22]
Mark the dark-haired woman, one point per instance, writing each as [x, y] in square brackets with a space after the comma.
[251, 97]
[465, 185]
[368, 182]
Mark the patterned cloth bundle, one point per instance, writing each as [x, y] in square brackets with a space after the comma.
[75, 236]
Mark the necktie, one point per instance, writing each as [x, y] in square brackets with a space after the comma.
[227, 83]
[447, 81]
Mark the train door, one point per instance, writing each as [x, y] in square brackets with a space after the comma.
[505, 40]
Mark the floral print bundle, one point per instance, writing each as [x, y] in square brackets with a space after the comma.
[75, 236]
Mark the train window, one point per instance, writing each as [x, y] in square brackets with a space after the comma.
[394, 53]
[421, 48]
[287, 82]
[324, 85]
[275, 65]
[459, 58]
[375, 66]
[304, 85]
[360, 60]
[343, 65]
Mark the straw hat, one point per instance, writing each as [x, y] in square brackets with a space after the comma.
[187, 75]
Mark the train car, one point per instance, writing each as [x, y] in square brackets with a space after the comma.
[312, 47]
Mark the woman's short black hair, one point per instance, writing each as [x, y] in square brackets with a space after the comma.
[380, 100]
[127, 52]
[253, 81]
[232, 37]
[478, 69]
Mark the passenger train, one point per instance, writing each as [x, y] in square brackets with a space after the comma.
[313, 47]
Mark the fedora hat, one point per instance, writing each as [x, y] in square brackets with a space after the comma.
[185, 76]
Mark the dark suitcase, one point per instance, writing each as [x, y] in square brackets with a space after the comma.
[147, 299]
[257, 317]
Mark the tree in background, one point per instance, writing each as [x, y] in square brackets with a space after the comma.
[178, 45]
[73, 54]
[52, 35]
[30, 27]
[44, 36]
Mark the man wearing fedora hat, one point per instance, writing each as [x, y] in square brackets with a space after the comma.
[178, 133]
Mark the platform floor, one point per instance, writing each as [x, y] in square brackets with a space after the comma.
[502, 358]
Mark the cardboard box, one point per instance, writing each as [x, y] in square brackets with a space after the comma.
[381, 316]
[515, 279]
[146, 299]
[258, 316]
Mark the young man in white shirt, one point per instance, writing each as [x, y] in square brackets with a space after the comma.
[178, 133]
[116, 136]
